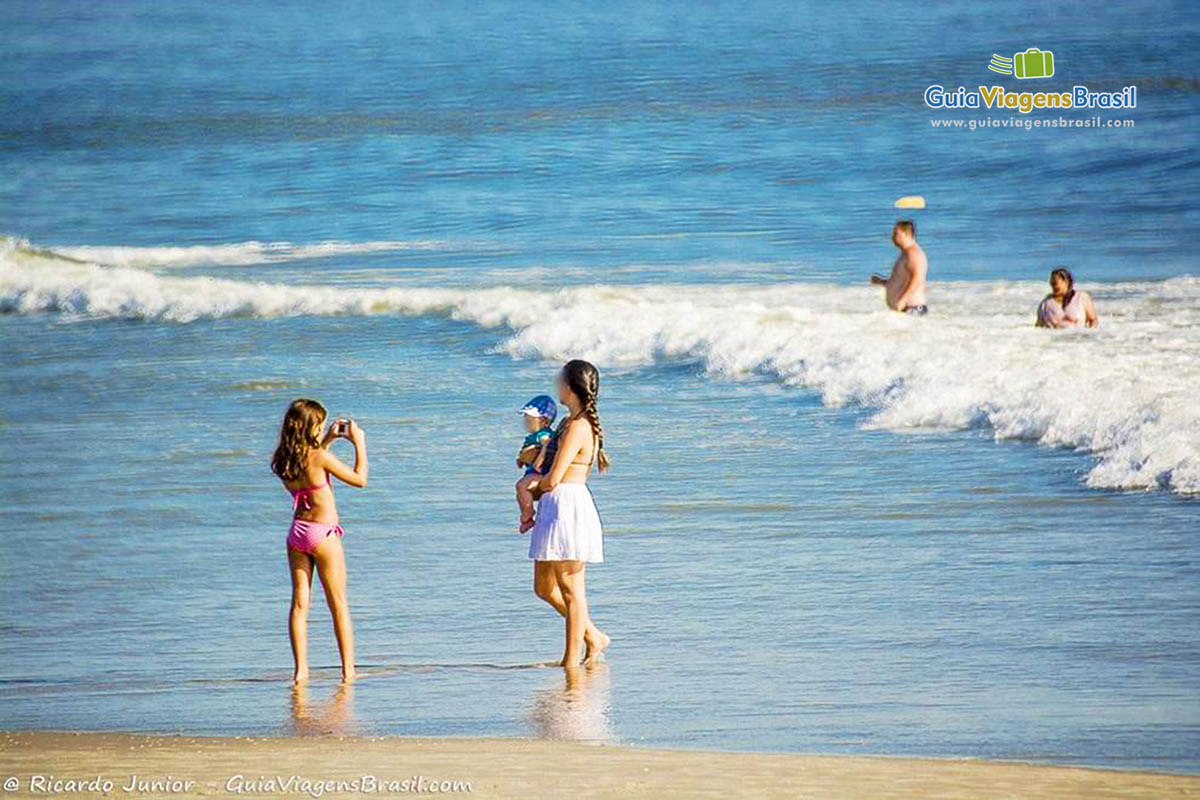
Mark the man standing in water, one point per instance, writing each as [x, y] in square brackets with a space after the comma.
[906, 285]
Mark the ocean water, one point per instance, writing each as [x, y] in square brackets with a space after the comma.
[829, 528]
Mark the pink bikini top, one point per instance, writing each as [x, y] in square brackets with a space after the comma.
[305, 495]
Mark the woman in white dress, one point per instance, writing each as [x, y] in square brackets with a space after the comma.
[567, 535]
[1065, 307]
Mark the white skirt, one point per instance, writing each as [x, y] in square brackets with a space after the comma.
[567, 526]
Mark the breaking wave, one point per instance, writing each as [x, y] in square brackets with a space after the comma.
[1125, 393]
[239, 254]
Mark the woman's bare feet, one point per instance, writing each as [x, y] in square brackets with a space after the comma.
[300, 676]
[349, 674]
[596, 644]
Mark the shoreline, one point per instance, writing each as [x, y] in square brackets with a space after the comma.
[178, 765]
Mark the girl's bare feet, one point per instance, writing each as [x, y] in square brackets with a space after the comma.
[349, 674]
[299, 677]
[596, 645]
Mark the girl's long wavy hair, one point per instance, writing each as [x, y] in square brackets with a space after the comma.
[583, 379]
[297, 438]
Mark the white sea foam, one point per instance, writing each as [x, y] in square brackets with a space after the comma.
[1125, 393]
[37, 281]
[240, 254]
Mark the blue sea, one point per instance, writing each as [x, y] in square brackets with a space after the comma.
[829, 528]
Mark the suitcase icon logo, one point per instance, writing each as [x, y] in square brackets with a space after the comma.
[1033, 63]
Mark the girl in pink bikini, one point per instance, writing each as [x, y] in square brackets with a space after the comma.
[303, 462]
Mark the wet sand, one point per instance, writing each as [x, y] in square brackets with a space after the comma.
[518, 768]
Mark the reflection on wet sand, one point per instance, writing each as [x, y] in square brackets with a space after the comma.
[332, 716]
[576, 709]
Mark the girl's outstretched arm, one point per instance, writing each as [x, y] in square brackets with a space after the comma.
[338, 469]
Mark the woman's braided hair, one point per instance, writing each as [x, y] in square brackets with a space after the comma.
[583, 379]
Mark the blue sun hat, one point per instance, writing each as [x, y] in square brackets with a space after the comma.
[541, 406]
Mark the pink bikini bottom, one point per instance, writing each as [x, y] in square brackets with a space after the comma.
[305, 535]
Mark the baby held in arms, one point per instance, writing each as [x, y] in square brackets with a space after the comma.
[539, 414]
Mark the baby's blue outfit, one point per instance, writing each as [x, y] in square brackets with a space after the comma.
[537, 439]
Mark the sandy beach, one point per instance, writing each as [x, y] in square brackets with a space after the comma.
[185, 766]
